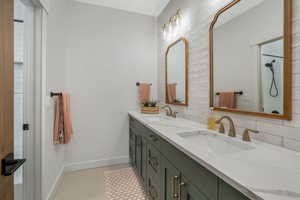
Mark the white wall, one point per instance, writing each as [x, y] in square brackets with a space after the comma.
[108, 51]
[199, 14]
[53, 155]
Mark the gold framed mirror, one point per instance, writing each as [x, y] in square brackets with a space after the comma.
[251, 58]
[176, 77]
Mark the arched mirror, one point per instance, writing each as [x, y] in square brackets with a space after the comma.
[176, 87]
[250, 58]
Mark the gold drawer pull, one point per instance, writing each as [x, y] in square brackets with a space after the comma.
[174, 187]
[181, 187]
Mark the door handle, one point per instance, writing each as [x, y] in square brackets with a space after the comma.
[10, 165]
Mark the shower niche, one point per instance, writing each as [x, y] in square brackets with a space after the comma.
[250, 58]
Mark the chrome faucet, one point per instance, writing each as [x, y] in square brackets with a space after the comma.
[232, 132]
[169, 111]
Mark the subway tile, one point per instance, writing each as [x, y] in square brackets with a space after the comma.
[295, 122]
[268, 138]
[296, 107]
[291, 144]
[279, 130]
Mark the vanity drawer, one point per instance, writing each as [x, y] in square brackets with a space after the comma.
[205, 181]
[140, 129]
[136, 125]
[153, 161]
[154, 139]
[153, 188]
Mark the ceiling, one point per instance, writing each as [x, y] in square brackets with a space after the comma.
[146, 7]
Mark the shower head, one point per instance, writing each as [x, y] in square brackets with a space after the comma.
[270, 65]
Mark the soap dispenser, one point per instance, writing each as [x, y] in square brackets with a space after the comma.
[211, 120]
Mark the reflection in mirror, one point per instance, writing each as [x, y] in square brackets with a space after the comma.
[248, 57]
[176, 73]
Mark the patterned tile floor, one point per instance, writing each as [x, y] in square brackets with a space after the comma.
[123, 184]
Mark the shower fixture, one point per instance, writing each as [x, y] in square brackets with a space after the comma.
[270, 66]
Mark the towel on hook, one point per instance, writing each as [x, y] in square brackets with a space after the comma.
[63, 131]
[144, 90]
[227, 100]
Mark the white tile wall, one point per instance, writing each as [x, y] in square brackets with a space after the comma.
[199, 15]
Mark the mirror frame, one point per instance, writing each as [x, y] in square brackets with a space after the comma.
[186, 43]
[287, 36]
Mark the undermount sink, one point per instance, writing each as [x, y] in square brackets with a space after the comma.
[154, 118]
[217, 144]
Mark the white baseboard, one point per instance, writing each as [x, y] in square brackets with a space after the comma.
[75, 166]
[56, 185]
[80, 166]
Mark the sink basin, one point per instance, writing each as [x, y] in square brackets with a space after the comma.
[217, 144]
[154, 118]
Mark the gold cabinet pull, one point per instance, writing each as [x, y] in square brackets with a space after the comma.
[174, 187]
[181, 187]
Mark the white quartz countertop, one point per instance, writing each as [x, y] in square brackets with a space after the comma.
[263, 172]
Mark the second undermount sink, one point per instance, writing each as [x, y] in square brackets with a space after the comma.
[217, 144]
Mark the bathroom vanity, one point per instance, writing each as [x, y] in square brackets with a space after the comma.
[179, 159]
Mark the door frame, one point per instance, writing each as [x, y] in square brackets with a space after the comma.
[39, 97]
[28, 105]
[35, 85]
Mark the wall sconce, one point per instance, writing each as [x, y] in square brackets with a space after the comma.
[174, 20]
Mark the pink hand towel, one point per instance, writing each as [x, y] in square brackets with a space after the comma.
[171, 92]
[144, 90]
[68, 130]
[58, 129]
[227, 100]
[63, 131]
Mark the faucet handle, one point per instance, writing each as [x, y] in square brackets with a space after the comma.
[221, 128]
[175, 114]
[246, 135]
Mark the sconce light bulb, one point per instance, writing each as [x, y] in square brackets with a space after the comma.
[178, 13]
[164, 28]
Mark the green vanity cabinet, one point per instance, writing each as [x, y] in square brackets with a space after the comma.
[132, 147]
[141, 157]
[187, 191]
[206, 182]
[169, 174]
[226, 192]
[153, 188]
[170, 179]
[143, 169]
[154, 161]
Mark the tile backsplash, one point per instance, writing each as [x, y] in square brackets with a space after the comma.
[199, 15]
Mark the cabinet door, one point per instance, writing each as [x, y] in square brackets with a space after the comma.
[138, 154]
[154, 161]
[143, 170]
[153, 188]
[187, 191]
[170, 181]
[132, 148]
